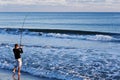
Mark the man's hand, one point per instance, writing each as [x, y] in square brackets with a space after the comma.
[21, 46]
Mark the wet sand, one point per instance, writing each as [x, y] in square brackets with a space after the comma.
[7, 75]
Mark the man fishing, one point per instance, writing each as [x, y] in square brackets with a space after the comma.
[17, 53]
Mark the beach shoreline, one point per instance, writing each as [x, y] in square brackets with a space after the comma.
[7, 75]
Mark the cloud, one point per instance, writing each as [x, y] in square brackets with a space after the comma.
[86, 1]
[63, 4]
[60, 2]
[31, 2]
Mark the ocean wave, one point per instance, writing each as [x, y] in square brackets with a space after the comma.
[66, 34]
[83, 37]
[84, 64]
[38, 66]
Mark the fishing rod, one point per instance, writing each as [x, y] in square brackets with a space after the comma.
[21, 30]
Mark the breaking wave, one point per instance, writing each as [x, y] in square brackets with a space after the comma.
[66, 34]
[84, 64]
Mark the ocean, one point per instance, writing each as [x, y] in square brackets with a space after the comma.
[65, 46]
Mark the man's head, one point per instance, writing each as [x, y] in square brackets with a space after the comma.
[16, 46]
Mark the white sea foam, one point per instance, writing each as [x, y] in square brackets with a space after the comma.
[64, 56]
[65, 64]
[101, 38]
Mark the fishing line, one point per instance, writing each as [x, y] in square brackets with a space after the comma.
[21, 30]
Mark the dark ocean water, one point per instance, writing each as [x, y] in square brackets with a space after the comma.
[66, 54]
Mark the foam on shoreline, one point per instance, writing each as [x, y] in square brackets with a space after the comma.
[7, 75]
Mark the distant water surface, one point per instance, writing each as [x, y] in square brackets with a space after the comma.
[86, 21]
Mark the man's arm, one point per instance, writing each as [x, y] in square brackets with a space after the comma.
[21, 50]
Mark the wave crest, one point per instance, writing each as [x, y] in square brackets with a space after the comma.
[92, 36]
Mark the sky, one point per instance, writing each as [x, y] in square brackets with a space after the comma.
[59, 5]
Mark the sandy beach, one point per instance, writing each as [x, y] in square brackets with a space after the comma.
[7, 75]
